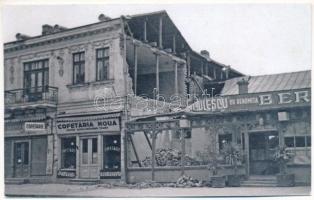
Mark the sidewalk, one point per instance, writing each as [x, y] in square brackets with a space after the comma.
[63, 190]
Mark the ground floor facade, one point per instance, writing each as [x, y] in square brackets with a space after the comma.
[98, 146]
[28, 144]
[89, 146]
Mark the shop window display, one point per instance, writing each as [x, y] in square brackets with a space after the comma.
[68, 151]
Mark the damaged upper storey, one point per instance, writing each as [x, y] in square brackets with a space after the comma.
[158, 31]
[159, 59]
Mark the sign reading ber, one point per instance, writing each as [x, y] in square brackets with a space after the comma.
[87, 124]
[253, 101]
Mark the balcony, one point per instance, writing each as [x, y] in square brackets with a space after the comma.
[46, 96]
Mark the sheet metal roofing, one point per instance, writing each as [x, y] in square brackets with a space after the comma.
[272, 82]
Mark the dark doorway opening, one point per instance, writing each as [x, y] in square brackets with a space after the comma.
[262, 147]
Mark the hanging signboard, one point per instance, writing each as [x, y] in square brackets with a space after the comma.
[87, 124]
[34, 126]
[252, 101]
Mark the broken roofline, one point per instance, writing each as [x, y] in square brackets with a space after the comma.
[163, 12]
[217, 63]
[156, 50]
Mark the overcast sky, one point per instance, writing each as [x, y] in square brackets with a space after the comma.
[253, 39]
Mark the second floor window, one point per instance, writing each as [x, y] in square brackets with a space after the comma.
[78, 68]
[36, 76]
[102, 64]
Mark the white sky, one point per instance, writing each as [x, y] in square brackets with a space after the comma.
[253, 39]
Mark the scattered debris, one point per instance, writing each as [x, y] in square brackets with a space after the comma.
[168, 157]
[183, 182]
[187, 181]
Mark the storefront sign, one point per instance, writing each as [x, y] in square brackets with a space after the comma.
[112, 148]
[253, 101]
[66, 174]
[87, 124]
[106, 174]
[34, 126]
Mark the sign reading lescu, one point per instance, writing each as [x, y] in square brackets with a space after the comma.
[253, 101]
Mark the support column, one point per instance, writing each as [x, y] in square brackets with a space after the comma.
[247, 151]
[182, 150]
[202, 68]
[174, 43]
[135, 69]
[145, 31]
[100, 153]
[160, 32]
[78, 157]
[215, 75]
[188, 59]
[176, 77]
[154, 135]
[157, 73]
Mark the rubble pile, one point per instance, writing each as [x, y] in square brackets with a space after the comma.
[168, 157]
[147, 162]
[146, 184]
[190, 161]
[187, 181]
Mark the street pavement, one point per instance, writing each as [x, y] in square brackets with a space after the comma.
[65, 190]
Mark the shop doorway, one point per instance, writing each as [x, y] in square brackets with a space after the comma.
[112, 157]
[262, 146]
[89, 158]
[21, 159]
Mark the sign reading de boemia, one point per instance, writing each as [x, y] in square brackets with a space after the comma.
[253, 101]
[87, 124]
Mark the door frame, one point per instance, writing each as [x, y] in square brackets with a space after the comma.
[80, 153]
[247, 144]
[29, 156]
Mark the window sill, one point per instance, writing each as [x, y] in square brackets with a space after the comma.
[104, 82]
[77, 85]
[66, 169]
[95, 83]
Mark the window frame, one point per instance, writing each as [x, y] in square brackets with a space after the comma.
[80, 63]
[44, 70]
[306, 137]
[103, 60]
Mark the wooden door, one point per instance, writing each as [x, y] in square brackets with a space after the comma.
[89, 161]
[21, 159]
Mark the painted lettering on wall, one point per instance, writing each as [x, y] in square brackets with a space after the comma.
[106, 174]
[252, 101]
[34, 126]
[84, 124]
[66, 174]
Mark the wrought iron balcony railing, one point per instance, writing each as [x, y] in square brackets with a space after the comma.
[44, 94]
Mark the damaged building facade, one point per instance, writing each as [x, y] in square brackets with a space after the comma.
[257, 115]
[70, 91]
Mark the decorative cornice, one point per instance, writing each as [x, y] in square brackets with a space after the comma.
[60, 39]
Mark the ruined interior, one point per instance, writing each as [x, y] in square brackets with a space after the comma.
[162, 63]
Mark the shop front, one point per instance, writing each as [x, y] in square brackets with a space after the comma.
[28, 144]
[159, 149]
[89, 146]
[260, 123]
